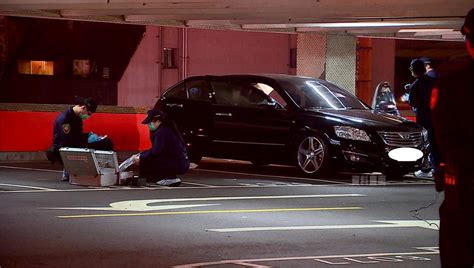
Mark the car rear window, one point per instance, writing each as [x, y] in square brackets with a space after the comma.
[319, 94]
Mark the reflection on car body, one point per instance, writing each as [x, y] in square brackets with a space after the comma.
[284, 119]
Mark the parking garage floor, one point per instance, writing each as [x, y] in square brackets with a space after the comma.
[224, 214]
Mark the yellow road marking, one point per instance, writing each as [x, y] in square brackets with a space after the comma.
[205, 212]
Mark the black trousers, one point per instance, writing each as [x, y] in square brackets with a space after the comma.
[155, 169]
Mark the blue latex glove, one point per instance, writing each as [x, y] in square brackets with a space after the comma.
[405, 97]
[93, 137]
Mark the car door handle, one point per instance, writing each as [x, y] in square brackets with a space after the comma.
[174, 105]
[224, 114]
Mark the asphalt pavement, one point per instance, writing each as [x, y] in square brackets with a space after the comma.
[224, 214]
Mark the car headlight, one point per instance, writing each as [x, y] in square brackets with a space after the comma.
[351, 133]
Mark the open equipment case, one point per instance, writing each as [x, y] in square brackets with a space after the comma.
[90, 167]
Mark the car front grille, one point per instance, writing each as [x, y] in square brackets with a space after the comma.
[402, 139]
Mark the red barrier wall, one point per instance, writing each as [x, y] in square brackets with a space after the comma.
[32, 131]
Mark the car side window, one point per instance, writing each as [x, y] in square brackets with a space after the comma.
[197, 90]
[177, 92]
[252, 97]
[245, 94]
[271, 94]
[223, 94]
[235, 93]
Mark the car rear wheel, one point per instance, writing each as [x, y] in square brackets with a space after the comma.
[312, 155]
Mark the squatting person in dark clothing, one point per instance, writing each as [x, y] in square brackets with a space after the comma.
[167, 157]
[452, 114]
[419, 99]
[67, 131]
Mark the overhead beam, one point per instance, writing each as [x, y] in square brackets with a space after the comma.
[295, 8]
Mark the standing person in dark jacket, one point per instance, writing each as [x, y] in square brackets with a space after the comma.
[429, 70]
[67, 131]
[419, 100]
[167, 157]
[452, 118]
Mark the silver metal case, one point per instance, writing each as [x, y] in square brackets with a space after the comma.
[90, 167]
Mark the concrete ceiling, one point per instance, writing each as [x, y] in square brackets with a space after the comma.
[431, 19]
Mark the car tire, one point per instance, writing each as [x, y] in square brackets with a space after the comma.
[312, 155]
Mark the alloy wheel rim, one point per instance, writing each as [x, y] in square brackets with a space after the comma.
[310, 155]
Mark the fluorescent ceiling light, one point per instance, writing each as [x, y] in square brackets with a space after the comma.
[359, 24]
[424, 30]
[336, 25]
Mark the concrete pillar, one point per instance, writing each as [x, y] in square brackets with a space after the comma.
[341, 61]
[330, 57]
[311, 55]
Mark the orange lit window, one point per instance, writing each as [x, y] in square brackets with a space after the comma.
[36, 67]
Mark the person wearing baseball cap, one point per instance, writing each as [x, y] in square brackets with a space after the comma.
[167, 157]
[67, 131]
[419, 100]
[451, 110]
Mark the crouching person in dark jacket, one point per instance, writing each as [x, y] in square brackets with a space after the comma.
[167, 157]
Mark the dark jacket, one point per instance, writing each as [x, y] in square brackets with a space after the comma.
[67, 130]
[420, 96]
[168, 152]
[452, 118]
[432, 74]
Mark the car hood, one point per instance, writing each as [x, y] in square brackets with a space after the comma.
[368, 118]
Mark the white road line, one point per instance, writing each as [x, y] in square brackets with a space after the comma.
[269, 176]
[199, 184]
[425, 251]
[143, 205]
[125, 188]
[29, 187]
[32, 169]
[386, 224]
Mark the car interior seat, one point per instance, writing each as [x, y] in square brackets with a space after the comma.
[256, 98]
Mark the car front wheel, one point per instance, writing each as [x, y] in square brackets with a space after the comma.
[312, 155]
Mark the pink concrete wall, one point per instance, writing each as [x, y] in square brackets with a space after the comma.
[139, 85]
[171, 38]
[383, 61]
[225, 52]
[200, 52]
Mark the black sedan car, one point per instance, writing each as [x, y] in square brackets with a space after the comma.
[282, 119]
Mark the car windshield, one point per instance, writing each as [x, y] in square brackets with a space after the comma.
[319, 94]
